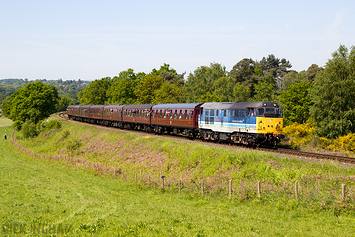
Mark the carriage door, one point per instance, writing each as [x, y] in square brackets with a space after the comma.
[247, 119]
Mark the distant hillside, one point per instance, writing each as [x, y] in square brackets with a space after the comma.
[68, 88]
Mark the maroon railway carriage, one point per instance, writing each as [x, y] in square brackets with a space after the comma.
[137, 116]
[73, 112]
[112, 116]
[95, 114]
[176, 118]
[84, 113]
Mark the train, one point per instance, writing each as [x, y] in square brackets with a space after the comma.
[247, 123]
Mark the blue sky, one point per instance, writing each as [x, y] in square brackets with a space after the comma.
[93, 39]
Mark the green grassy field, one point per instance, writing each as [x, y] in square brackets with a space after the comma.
[5, 122]
[53, 197]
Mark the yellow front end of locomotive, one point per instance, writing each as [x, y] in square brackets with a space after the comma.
[269, 125]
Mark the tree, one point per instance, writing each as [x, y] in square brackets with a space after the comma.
[202, 80]
[223, 89]
[169, 74]
[312, 72]
[95, 92]
[276, 68]
[333, 95]
[241, 92]
[247, 73]
[293, 77]
[145, 90]
[295, 102]
[34, 102]
[264, 90]
[64, 102]
[168, 93]
[122, 90]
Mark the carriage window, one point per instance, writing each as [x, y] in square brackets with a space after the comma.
[180, 114]
[212, 112]
[191, 114]
[225, 113]
[175, 115]
[185, 115]
[217, 112]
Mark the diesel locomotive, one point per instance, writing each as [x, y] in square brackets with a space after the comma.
[247, 123]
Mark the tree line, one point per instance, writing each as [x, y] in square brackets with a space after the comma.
[323, 95]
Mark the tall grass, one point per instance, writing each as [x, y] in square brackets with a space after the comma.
[50, 192]
[150, 157]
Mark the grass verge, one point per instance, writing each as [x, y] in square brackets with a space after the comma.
[53, 192]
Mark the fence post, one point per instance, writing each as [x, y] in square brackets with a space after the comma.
[230, 188]
[179, 186]
[163, 177]
[296, 190]
[259, 189]
[202, 189]
[114, 172]
[343, 192]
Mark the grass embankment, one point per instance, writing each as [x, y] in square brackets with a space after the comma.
[5, 122]
[51, 192]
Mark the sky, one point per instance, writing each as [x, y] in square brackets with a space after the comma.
[89, 39]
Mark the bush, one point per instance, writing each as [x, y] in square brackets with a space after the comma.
[17, 125]
[29, 129]
[48, 124]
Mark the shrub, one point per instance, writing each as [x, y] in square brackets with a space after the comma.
[29, 129]
[17, 125]
[48, 124]
[73, 145]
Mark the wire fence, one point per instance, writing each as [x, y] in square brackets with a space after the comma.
[312, 192]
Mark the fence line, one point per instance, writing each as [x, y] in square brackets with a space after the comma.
[245, 188]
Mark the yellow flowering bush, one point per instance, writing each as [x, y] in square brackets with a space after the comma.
[345, 143]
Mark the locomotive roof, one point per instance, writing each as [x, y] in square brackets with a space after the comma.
[138, 106]
[176, 106]
[239, 105]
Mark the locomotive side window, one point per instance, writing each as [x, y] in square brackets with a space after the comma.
[261, 111]
[207, 113]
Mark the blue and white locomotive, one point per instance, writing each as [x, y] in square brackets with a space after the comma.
[248, 123]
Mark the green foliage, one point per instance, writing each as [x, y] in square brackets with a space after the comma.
[241, 92]
[17, 125]
[123, 87]
[264, 90]
[168, 93]
[145, 90]
[73, 145]
[29, 129]
[296, 102]
[63, 103]
[333, 95]
[35, 101]
[202, 81]
[95, 92]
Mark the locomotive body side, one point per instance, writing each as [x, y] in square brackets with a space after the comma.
[250, 123]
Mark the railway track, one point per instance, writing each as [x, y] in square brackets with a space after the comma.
[282, 151]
